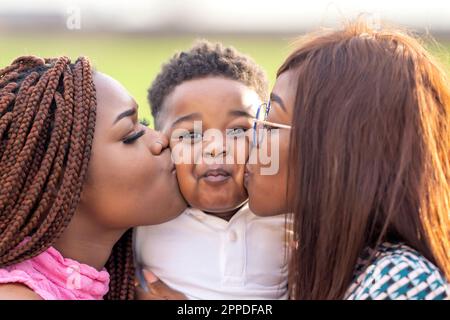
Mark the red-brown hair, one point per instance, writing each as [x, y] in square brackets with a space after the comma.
[47, 123]
[370, 154]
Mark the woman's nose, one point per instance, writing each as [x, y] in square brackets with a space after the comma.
[159, 143]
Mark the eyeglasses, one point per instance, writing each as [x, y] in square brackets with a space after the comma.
[261, 125]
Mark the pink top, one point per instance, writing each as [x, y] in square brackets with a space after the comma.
[54, 277]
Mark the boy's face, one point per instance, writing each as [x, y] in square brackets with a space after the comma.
[206, 120]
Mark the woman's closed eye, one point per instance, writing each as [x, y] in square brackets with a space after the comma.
[133, 137]
[136, 134]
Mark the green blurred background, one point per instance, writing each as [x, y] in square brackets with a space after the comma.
[130, 40]
[136, 60]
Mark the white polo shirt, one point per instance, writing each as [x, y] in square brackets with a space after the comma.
[206, 257]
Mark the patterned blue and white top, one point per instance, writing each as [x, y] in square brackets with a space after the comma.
[397, 271]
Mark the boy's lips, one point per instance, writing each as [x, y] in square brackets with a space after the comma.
[215, 175]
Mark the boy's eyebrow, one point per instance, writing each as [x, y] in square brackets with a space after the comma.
[277, 99]
[188, 117]
[240, 113]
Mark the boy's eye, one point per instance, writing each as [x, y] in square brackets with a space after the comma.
[133, 137]
[191, 137]
[236, 132]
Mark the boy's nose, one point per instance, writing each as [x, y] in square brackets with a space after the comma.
[213, 153]
[159, 143]
[215, 149]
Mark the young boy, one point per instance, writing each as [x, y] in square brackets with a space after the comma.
[217, 249]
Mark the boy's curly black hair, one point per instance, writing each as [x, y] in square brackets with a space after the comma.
[202, 60]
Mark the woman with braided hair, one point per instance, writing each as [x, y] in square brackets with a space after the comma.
[77, 171]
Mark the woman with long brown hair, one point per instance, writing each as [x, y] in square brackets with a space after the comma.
[363, 120]
[77, 171]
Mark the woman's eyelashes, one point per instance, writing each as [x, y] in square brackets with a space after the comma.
[133, 137]
[136, 134]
